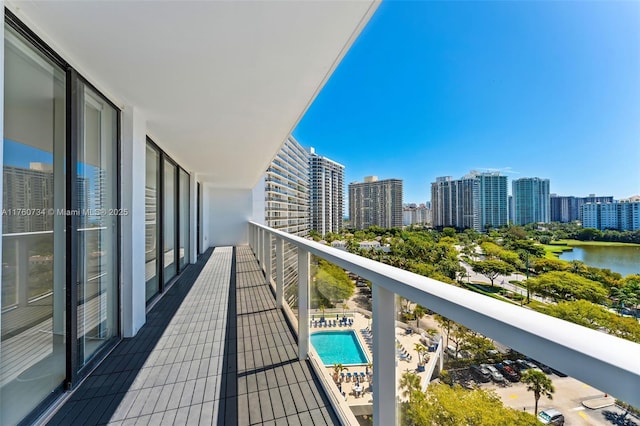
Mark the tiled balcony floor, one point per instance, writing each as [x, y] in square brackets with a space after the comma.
[214, 350]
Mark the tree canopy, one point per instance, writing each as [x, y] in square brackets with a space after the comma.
[563, 285]
[332, 283]
[443, 405]
[492, 268]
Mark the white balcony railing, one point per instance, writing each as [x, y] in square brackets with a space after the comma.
[606, 362]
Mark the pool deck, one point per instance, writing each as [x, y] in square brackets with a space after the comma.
[358, 403]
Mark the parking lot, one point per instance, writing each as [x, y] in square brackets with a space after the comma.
[568, 397]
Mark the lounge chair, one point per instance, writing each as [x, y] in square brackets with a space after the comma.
[348, 376]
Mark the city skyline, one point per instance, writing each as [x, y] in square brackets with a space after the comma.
[437, 88]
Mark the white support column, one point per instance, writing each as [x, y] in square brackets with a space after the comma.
[304, 275]
[384, 357]
[279, 272]
[133, 178]
[267, 256]
[193, 219]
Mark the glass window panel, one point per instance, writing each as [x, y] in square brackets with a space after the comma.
[184, 218]
[169, 221]
[97, 232]
[151, 222]
[32, 351]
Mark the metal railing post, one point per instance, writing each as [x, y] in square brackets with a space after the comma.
[279, 272]
[384, 357]
[252, 237]
[259, 246]
[267, 256]
[304, 275]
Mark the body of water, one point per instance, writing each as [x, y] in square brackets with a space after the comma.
[622, 259]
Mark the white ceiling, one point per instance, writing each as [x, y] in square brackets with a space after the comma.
[221, 83]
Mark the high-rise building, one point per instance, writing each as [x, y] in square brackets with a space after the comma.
[30, 190]
[592, 198]
[531, 201]
[326, 193]
[564, 208]
[287, 190]
[413, 214]
[375, 202]
[621, 215]
[475, 201]
[493, 199]
[455, 202]
[286, 195]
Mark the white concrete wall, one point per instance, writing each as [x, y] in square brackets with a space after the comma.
[133, 176]
[258, 202]
[229, 212]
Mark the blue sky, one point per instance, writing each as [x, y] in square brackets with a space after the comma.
[548, 89]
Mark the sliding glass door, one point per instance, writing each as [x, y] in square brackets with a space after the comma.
[152, 220]
[60, 275]
[32, 351]
[97, 173]
[184, 219]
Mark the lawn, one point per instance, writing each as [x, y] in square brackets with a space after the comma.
[572, 243]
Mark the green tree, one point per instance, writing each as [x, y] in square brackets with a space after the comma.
[419, 312]
[422, 351]
[492, 268]
[332, 283]
[410, 384]
[597, 317]
[543, 265]
[445, 405]
[563, 285]
[538, 383]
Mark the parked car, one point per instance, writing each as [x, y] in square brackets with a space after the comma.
[551, 416]
[481, 374]
[495, 374]
[545, 368]
[524, 365]
[508, 372]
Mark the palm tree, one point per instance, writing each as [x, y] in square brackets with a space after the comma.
[419, 312]
[409, 383]
[421, 350]
[538, 383]
[337, 369]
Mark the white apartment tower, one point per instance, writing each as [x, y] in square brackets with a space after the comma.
[287, 190]
[326, 189]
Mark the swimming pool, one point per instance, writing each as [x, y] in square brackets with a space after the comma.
[338, 347]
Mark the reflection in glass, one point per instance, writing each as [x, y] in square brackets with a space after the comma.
[97, 203]
[151, 223]
[169, 219]
[184, 218]
[32, 362]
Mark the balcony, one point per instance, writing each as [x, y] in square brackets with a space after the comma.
[232, 351]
